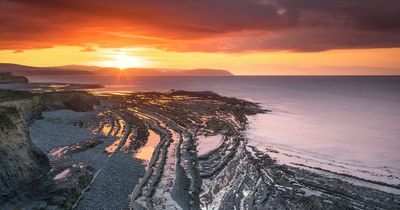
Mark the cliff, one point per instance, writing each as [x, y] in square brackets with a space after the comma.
[31, 105]
[21, 162]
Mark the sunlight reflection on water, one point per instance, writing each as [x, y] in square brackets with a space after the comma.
[146, 152]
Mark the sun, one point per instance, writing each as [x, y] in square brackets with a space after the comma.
[124, 61]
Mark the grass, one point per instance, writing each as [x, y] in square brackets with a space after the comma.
[5, 114]
[7, 95]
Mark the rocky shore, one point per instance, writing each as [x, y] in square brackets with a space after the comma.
[159, 150]
[24, 169]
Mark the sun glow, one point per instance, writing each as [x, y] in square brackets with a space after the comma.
[124, 61]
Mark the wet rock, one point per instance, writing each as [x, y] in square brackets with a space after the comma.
[234, 175]
[70, 187]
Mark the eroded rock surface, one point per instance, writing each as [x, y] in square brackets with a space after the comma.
[141, 151]
[232, 175]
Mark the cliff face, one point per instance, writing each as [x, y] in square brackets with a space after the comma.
[21, 162]
[29, 108]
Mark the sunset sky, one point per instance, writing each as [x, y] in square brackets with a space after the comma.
[244, 36]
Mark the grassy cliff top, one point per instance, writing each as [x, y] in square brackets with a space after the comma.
[7, 95]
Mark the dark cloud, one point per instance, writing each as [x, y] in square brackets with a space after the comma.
[207, 25]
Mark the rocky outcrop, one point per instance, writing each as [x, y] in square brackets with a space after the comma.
[21, 162]
[31, 105]
[28, 106]
[9, 78]
[78, 101]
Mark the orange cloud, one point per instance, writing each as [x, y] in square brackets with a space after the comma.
[207, 25]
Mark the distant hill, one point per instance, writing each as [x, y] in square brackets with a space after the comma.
[16, 69]
[150, 71]
[7, 77]
[200, 72]
[22, 70]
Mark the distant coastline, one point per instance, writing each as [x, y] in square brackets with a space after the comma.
[17, 69]
[8, 77]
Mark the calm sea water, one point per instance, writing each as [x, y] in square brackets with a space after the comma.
[345, 124]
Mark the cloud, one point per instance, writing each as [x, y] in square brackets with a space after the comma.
[207, 25]
[88, 49]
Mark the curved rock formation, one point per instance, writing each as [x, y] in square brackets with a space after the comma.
[229, 174]
[195, 155]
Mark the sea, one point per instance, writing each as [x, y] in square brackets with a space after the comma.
[349, 125]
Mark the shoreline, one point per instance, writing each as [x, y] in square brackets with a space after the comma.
[232, 168]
